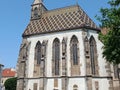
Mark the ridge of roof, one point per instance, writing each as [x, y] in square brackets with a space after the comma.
[61, 8]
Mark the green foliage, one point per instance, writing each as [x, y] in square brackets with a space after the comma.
[110, 18]
[10, 84]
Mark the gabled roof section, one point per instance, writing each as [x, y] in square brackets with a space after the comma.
[61, 19]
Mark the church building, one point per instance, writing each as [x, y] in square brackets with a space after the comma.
[61, 51]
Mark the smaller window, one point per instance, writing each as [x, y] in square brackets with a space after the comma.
[75, 87]
[35, 86]
[96, 85]
[36, 12]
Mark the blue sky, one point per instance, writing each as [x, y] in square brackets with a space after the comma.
[15, 15]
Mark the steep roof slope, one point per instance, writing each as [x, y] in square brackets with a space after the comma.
[62, 19]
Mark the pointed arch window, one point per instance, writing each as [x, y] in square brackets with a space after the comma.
[56, 56]
[74, 50]
[35, 11]
[115, 67]
[38, 52]
[93, 56]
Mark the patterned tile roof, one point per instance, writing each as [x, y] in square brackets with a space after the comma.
[59, 20]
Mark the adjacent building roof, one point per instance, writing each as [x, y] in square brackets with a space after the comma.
[8, 73]
[61, 19]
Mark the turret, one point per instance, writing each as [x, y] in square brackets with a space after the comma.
[37, 9]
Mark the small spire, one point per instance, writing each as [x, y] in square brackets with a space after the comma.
[37, 9]
[38, 1]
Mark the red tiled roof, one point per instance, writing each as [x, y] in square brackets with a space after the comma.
[8, 73]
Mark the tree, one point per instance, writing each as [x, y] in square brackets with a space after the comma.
[110, 19]
[10, 84]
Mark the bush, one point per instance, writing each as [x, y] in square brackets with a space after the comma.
[10, 84]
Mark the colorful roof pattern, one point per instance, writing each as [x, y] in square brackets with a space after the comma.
[62, 19]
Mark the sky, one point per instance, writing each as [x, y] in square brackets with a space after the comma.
[15, 16]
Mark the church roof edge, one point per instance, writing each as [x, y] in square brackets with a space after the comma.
[80, 27]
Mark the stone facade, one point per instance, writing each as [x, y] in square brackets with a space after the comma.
[65, 79]
[62, 56]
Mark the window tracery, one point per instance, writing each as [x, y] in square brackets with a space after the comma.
[37, 60]
[74, 50]
[75, 56]
[93, 56]
[38, 52]
[35, 12]
[56, 56]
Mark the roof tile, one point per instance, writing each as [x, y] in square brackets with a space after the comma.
[8, 73]
[59, 20]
